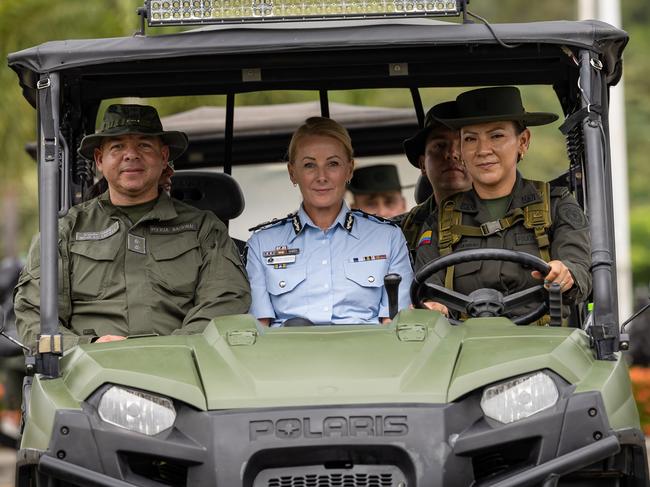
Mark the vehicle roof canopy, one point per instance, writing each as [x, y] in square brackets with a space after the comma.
[315, 51]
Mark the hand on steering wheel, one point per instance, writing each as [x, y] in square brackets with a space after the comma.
[487, 302]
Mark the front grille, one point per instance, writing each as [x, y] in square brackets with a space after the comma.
[319, 476]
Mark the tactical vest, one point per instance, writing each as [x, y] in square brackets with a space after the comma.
[535, 216]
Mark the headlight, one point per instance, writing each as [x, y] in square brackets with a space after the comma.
[519, 398]
[136, 411]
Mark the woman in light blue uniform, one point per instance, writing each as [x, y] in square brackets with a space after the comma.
[325, 262]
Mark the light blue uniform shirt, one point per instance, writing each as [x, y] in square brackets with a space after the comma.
[334, 276]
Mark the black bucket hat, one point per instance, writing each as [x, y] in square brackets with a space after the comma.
[495, 104]
[120, 119]
[414, 146]
[375, 179]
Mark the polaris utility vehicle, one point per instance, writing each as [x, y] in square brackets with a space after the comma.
[423, 402]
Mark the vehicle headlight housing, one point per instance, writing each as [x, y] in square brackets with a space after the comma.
[136, 410]
[519, 398]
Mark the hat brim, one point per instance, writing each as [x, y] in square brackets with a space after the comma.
[414, 146]
[528, 119]
[177, 142]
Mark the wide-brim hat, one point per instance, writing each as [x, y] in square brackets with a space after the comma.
[121, 119]
[377, 178]
[494, 104]
[415, 145]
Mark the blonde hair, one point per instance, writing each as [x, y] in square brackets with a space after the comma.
[325, 127]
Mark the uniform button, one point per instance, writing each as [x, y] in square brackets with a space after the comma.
[325, 308]
[371, 278]
[327, 286]
[324, 262]
[282, 284]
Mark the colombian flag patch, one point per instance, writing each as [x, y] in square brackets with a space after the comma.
[425, 239]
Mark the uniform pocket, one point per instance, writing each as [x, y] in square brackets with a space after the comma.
[176, 262]
[90, 261]
[369, 274]
[282, 281]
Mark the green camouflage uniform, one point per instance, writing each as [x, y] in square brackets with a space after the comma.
[568, 234]
[170, 273]
[414, 220]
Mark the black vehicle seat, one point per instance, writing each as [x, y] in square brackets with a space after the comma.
[423, 189]
[210, 190]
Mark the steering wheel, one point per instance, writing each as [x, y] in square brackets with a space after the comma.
[486, 302]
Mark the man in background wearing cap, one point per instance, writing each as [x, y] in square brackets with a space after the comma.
[435, 150]
[133, 261]
[377, 190]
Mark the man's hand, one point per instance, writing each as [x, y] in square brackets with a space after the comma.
[559, 273]
[110, 338]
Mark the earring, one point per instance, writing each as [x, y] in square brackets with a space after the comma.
[295, 184]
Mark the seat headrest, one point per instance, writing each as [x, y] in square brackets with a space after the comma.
[209, 190]
[423, 189]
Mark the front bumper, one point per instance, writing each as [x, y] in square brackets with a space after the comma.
[390, 445]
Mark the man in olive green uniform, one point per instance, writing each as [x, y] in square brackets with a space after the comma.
[522, 215]
[134, 261]
[435, 150]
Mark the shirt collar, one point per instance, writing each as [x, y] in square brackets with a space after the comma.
[163, 209]
[523, 194]
[338, 221]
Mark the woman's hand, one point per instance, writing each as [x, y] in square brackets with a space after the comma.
[433, 306]
[110, 338]
[559, 273]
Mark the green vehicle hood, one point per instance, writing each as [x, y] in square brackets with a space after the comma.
[419, 358]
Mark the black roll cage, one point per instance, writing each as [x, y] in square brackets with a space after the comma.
[67, 82]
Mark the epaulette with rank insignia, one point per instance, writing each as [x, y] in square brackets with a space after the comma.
[370, 216]
[292, 217]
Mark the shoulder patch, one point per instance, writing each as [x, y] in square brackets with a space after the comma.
[425, 238]
[573, 215]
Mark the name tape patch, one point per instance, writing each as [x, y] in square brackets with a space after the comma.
[183, 227]
[100, 235]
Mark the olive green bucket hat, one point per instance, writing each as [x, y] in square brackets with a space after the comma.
[494, 104]
[414, 146]
[120, 119]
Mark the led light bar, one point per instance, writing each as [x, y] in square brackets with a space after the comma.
[187, 12]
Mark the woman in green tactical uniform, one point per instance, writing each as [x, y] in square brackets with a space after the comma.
[504, 210]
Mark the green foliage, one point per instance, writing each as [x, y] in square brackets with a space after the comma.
[640, 230]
